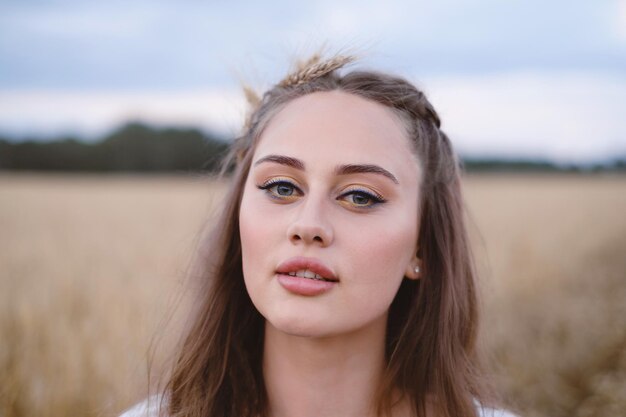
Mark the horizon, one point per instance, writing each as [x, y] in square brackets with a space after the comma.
[506, 79]
[493, 159]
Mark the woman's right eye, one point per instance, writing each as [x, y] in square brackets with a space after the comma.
[279, 189]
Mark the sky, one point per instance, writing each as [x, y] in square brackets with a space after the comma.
[513, 79]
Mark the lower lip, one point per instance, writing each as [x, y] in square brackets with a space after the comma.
[304, 286]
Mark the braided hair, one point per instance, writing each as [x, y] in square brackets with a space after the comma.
[431, 356]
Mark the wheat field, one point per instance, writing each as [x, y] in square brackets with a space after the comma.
[92, 269]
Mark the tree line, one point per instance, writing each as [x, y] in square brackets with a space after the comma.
[134, 147]
[137, 147]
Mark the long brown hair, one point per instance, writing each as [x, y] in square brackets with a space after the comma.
[432, 326]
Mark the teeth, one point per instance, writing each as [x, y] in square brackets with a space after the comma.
[305, 273]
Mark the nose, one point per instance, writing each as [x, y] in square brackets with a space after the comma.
[310, 225]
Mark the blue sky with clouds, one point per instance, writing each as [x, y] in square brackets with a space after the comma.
[511, 78]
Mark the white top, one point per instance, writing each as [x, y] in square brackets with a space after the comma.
[151, 409]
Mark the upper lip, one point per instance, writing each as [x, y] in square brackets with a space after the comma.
[312, 264]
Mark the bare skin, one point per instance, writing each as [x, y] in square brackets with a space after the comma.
[323, 377]
[324, 353]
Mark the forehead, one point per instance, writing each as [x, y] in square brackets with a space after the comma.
[337, 127]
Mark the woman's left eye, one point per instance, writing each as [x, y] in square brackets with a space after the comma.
[362, 199]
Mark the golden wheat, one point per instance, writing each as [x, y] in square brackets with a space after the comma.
[90, 267]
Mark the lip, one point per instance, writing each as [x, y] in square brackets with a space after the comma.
[305, 286]
[312, 264]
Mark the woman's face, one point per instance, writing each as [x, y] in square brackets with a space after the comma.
[332, 190]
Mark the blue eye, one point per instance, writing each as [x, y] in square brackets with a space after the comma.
[279, 188]
[363, 199]
[284, 190]
[360, 199]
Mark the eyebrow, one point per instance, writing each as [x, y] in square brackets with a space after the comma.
[339, 170]
[283, 160]
[364, 168]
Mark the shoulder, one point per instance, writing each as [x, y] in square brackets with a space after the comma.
[147, 408]
[150, 408]
[493, 412]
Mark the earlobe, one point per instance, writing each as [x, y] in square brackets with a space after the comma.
[414, 270]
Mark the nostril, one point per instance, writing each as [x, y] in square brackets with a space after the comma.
[298, 233]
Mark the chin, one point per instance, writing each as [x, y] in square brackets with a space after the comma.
[301, 326]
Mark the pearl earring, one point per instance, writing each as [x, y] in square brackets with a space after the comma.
[417, 269]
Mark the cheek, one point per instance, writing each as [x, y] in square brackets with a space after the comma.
[378, 256]
[261, 230]
[253, 230]
[253, 233]
[382, 251]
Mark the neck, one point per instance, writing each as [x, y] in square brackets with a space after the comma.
[324, 377]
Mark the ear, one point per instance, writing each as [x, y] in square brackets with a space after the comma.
[414, 268]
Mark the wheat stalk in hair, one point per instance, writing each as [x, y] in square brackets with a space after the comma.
[313, 68]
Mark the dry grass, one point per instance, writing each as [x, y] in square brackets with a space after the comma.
[88, 266]
[554, 256]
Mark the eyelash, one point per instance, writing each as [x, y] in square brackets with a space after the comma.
[273, 183]
[375, 197]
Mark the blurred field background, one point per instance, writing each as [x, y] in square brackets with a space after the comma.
[92, 267]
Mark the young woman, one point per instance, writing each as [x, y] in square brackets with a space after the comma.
[339, 279]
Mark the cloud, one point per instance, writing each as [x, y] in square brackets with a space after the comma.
[46, 113]
[563, 116]
[620, 21]
[148, 44]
